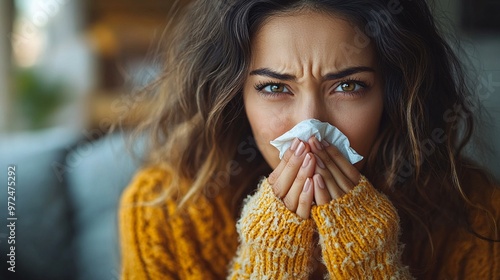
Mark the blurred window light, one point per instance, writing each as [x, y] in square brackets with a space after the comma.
[29, 36]
[45, 36]
[27, 48]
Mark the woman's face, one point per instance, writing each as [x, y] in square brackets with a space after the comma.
[304, 66]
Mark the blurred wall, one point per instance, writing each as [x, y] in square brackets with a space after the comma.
[68, 58]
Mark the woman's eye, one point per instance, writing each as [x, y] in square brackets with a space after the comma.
[349, 87]
[275, 88]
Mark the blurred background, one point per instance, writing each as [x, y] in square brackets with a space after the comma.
[66, 69]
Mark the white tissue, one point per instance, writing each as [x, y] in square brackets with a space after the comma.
[322, 131]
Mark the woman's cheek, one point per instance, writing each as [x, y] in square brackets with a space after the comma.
[265, 132]
[362, 134]
[267, 125]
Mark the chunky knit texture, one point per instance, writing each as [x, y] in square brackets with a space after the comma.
[363, 230]
[275, 243]
[358, 238]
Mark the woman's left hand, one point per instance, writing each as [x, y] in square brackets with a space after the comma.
[334, 174]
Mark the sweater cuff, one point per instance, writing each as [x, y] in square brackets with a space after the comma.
[359, 232]
[265, 220]
[275, 242]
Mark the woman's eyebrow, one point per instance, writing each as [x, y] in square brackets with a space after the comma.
[272, 74]
[347, 72]
[330, 76]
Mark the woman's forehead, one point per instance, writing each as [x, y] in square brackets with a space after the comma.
[309, 39]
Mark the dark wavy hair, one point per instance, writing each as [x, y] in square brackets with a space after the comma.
[200, 133]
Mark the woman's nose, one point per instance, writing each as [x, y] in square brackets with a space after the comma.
[311, 107]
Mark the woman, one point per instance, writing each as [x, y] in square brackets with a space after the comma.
[241, 73]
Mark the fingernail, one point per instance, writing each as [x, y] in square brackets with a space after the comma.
[307, 159]
[317, 144]
[300, 149]
[326, 144]
[320, 182]
[294, 144]
[320, 162]
[307, 185]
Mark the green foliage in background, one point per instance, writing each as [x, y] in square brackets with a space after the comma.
[37, 99]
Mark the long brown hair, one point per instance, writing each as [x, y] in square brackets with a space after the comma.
[200, 134]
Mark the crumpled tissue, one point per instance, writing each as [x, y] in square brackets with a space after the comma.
[322, 131]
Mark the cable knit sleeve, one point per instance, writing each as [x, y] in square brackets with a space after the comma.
[359, 236]
[147, 252]
[275, 243]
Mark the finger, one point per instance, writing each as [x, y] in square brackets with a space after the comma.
[337, 183]
[291, 199]
[343, 163]
[286, 157]
[305, 199]
[341, 180]
[329, 181]
[285, 180]
[321, 194]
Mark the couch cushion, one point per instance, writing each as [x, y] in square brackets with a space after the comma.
[43, 229]
[103, 169]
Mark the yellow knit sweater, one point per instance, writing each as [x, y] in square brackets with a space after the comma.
[358, 239]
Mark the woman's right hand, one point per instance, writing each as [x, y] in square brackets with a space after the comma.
[291, 180]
